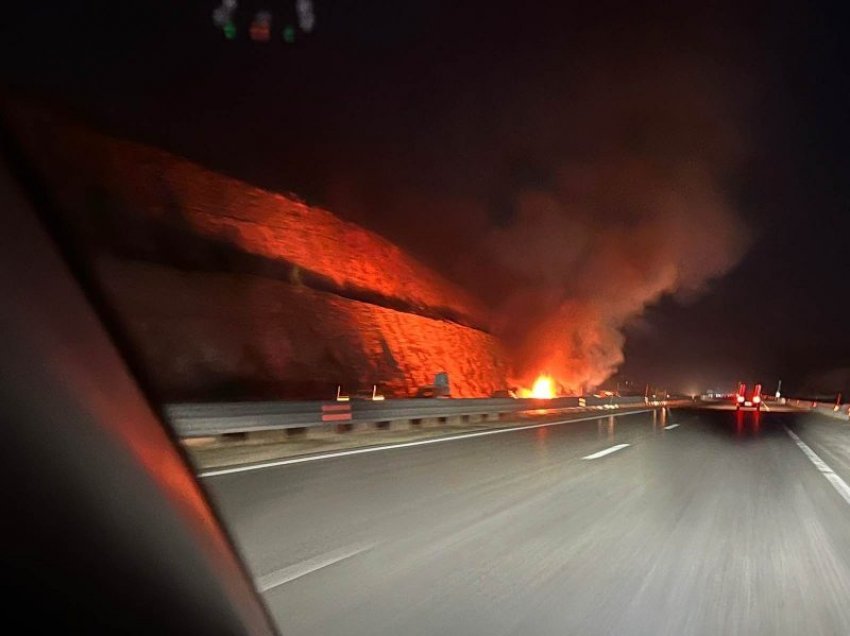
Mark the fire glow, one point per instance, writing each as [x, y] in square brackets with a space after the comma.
[542, 389]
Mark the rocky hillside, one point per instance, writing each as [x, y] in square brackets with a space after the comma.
[229, 291]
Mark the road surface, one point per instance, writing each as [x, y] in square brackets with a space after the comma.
[705, 522]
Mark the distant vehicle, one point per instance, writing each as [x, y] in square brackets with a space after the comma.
[744, 399]
[604, 394]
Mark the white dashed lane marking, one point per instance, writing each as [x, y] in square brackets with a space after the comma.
[607, 451]
[292, 572]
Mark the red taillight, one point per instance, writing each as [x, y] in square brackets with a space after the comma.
[740, 398]
[756, 399]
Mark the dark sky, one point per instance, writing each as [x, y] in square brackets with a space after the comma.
[420, 119]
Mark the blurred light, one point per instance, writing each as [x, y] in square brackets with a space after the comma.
[289, 34]
[756, 399]
[740, 398]
[229, 30]
[223, 13]
[306, 15]
[261, 27]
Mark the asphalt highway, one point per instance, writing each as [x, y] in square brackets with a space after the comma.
[698, 522]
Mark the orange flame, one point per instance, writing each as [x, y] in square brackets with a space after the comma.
[543, 388]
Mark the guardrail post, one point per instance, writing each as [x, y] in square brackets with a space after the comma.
[401, 425]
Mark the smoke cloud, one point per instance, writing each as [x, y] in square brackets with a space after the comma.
[634, 205]
[574, 181]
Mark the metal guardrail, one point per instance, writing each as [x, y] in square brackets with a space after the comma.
[210, 419]
[840, 411]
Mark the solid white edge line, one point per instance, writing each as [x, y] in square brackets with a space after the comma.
[374, 449]
[839, 484]
[292, 572]
[607, 451]
[671, 426]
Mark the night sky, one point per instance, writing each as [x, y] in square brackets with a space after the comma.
[423, 121]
